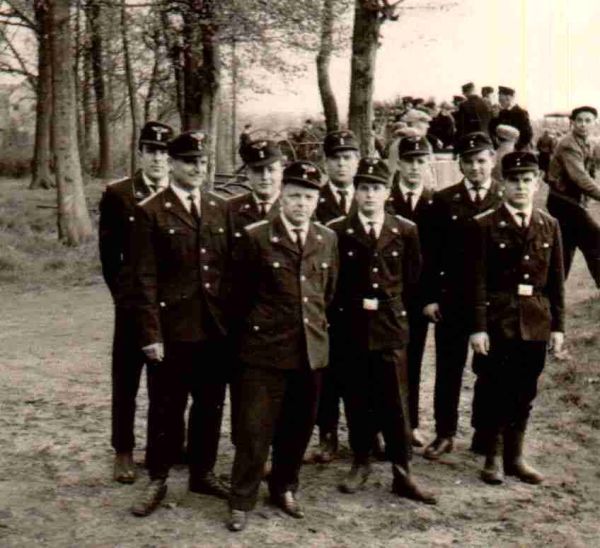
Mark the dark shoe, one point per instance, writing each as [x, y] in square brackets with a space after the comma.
[150, 499]
[237, 520]
[514, 464]
[356, 478]
[209, 485]
[417, 439]
[288, 503]
[379, 447]
[438, 447]
[480, 443]
[124, 468]
[491, 473]
[404, 486]
[327, 449]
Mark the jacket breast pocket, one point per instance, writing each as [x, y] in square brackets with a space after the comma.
[392, 258]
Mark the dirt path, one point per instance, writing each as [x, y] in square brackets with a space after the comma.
[55, 461]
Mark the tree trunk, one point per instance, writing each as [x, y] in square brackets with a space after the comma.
[365, 41]
[131, 88]
[105, 164]
[153, 77]
[41, 176]
[330, 109]
[74, 224]
[88, 108]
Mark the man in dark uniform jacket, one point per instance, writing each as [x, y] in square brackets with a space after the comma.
[336, 199]
[116, 223]
[513, 115]
[473, 114]
[572, 181]
[443, 281]
[380, 263]
[181, 268]
[517, 300]
[410, 199]
[290, 269]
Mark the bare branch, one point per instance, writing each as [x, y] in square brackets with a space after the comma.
[22, 15]
[32, 80]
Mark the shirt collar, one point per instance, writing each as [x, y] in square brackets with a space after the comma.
[270, 201]
[349, 189]
[485, 186]
[377, 222]
[516, 213]
[416, 191]
[183, 196]
[163, 183]
[290, 228]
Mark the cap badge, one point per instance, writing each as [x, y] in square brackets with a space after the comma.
[305, 175]
[261, 153]
[342, 141]
[472, 143]
[518, 162]
[159, 132]
[370, 170]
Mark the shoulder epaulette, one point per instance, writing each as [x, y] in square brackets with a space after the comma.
[121, 180]
[328, 223]
[147, 199]
[323, 227]
[404, 219]
[213, 194]
[484, 214]
[252, 226]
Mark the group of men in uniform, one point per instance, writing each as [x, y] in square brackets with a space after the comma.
[267, 289]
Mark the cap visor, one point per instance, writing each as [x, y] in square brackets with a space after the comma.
[264, 161]
[371, 179]
[302, 182]
[159, 144]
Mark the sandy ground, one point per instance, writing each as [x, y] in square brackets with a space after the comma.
[55, 458]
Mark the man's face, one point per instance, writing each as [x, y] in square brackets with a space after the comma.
[520, 188]
[583, 124]
[154, 162]
[266, 180]
[298, 203]
[370, 198]
[477, 166]
[505, 100]
[341, 167]
[413, 169]
[189, 173]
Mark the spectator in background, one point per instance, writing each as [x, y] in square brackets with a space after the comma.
[513, 115]
[506, 137]
[245, 136]
[545, 146]
[473, 114]
[443, 126]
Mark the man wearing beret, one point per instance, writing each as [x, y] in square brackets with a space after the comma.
[412, 200]
[517, 302]
[513, 115]
[290, 269]
[336, 199]
[573, 185]
[116, 224]
[472, 114]
[181, 264]
[380, 262]
[443, 282]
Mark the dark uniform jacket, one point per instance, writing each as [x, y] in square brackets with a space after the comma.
[518, 276]
[281, 299]
[516, 117]
[571, 172]
[443, 127]
[397, 205]
[472, 115]
[117, 215]
[387, 273]
[181, 268]
[444, 244]
[328, 208]
[244, 211]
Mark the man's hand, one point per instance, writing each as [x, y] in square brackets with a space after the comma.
[432, 312]
[557, 342]
[155, 352]
[480, 343]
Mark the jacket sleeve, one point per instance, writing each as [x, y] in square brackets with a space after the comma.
[476, 278]
[244, 286]
[333, 273]
[526, 131]
[432, 234]
[412, 266]
[110, 239]
[574, 163]
[555, 283]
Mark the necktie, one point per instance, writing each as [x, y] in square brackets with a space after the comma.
[193, 209]
[523, 218]
[410, 197]
[343, 200]
[477, 189]
[298, 233]
[262, 209]
[372, 232]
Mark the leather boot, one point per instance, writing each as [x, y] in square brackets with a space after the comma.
[124, 468]
[355, 479]
[479, 442]
[150, 499]
[417, 439]
[436, 449]
[491, 472]
[404, 486]
[514, 463]
[327, 449]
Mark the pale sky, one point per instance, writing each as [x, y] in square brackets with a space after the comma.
[547, 49]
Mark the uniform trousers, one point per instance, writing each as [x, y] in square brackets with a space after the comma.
[375, 385]
[512, 367]
[579, 230]
[418, 326]
[195, 368]
[278, 407]
[328, 415]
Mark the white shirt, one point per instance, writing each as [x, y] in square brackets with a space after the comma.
[163, 183]
[376, 222]
[184, 195]
[349, 194]
[268, 203]
[516, 213]
[291, 229]
[416, 193]
[485, 187]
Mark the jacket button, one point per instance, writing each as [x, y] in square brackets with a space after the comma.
[306, 321]
[376, 254]
[303, 278]
[132, 219]
[305, 299]
[394, 253]
[221, 230]
[442, 273]
[256, 328]
[162, 304]
[207, 285]
[525, 276]
[205, 267]
[238, 235]
[203, 250]
[502, 245]
[171, 231]
[375, 286]
[403, 313]
[526, 257]
[375, 269]
[454, 217]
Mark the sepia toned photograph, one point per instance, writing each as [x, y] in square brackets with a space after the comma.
[318, 273]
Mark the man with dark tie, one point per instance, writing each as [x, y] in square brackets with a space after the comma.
[516, 301]
[443, 284]
[410, 199]
[380, 262]
[116, 225]
[181, 268]
[289, 267]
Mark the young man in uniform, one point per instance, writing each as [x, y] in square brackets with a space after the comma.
[410, 199]
[289, 267]
[511, 114]
[443, 281]
[517, 299]
[181, 269]
[573, 185]
[380, 262]
[116, 224]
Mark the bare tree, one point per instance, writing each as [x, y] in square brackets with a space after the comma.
[131, 87]
[330, 108]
